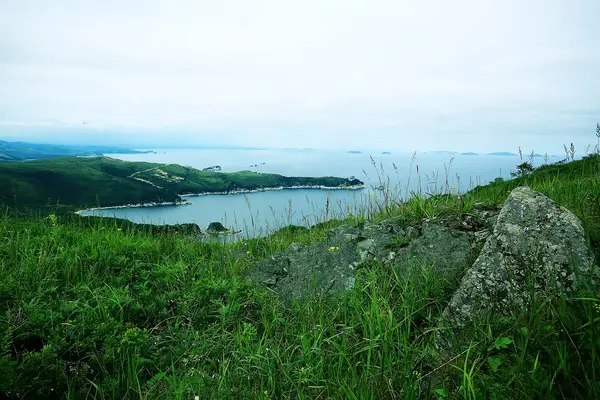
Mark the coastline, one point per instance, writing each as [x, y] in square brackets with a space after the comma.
[136, 205]
[271, 189]
[232, 192]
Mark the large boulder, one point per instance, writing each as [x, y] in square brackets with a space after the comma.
[536, 247]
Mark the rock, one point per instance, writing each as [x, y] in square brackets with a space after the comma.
[328, 268]
[412, 232]
[216, 227]
[304, 270]
[447, 250]
[534, 244]
[189, 229]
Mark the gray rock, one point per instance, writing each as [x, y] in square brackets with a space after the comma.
[301, 271]
[536, 246]
[445, 249]
[328, 268]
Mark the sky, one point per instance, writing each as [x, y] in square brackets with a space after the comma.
[464, 75]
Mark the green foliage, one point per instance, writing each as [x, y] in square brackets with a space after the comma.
[102, 181]
[500, 343]
[523, 169]
[93, 308]
[18, 151]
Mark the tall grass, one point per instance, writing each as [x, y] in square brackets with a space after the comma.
[95, 310]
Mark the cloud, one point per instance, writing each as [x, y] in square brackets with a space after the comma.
[307, 73]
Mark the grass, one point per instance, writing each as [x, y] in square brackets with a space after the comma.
[108, 311]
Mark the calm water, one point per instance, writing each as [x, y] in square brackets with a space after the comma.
[257, 213]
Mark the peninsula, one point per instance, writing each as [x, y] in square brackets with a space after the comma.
[86, 182]
[21, 151]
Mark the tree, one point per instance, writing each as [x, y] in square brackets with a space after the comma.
[522, 170]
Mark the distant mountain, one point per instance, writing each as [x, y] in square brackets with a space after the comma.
[6, 157]
[469, 153]
[502, 153]
[387, 153]
[354, 152]
[21, 151]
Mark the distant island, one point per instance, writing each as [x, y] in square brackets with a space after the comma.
[386, 153]
[88, 182]
[502, 153]
[23, 151]
[469, 153]
[354, 152]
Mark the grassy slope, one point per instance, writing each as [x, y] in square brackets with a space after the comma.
[101, 181]
[196, 181]
[107, 312]
[75, 181]
[15, 151]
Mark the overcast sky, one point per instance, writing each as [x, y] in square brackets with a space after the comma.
[478, 75]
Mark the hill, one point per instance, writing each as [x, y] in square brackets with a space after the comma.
[21, 151]
[104, 182]
[105, 310]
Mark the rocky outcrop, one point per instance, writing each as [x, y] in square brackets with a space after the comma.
[532, 246]
[188, 229]
[536, 248]
[329, 267]
[215, 228]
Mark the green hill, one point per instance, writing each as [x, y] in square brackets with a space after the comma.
[102, 181]
[77, 182]
[110, 311]
[20, 151]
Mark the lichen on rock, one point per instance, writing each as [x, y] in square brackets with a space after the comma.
[537, 248]
[330, 267]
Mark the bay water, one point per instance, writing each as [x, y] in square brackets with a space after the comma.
[258, 213]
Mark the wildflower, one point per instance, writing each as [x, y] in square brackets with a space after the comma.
[119, 229]
[426, 219]
[417, 374]
[196, 397]
[597, 307]
[248, 253]
[334, 248]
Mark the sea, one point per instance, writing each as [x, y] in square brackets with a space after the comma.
[388, 176]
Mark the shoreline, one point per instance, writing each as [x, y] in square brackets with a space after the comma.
[232, 192]
[272, 189]
[136, 205]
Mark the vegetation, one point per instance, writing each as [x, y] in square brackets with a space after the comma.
[109, 311]
[19, 151]
[102, 181]
[182, 180]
